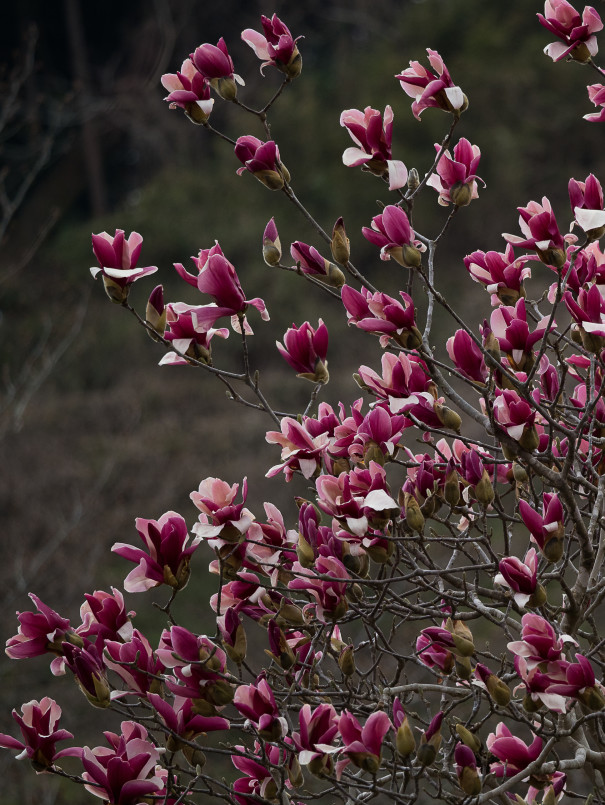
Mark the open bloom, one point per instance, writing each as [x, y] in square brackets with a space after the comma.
[391, 231]
[165, 559]
[39, 632]
[383, 315]
[317, 730]
[373, 150]
[190, 336]
[135, 663]
[39, 723]
[576, 34]
[513, 754]
[596, 94]
[456, 178]
[305, 349]
[500, 273]
[258, 704]
[363, 745]
[586, 199]
[516, 417]
[277, 47]
[509, 325]
[117, 258]
[541, 233]
[432, 87]
[189, 90]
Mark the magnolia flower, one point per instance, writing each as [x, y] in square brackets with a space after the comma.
[305, 349]
[135, 663]
[391, 231]
[456, 178]
[189, 90]
[383, 315]
[547, 531]
[216, 65]
[541, 231]
[363, 745]
[586, 199]
[39, 632]
[519, 576]
[271, 244]
[317, 730]
[117, 258]
[577, 34]
[514, 755]
[373, 138]
[104, 614]
[509, 325]
[165, 559]
[432, 87]
[258, 704]
[596, 94]
[262, 160]
[311, 262]
[516, 417]
[500, 273]
[190, 335]
[276, 47]
[39, 722]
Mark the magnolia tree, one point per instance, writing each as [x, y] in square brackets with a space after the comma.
[429, 625]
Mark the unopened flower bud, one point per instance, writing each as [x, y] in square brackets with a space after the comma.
[519, 473]
[529, 438]
[413, 179]
[340, 244]
[462, 637]
[463, 667]
[333, 276]
[498, 690]
[461, 194]
[117, 293]
[468, 738]
[413, 515]
[220, 692]
[469, 780]
[447, 417]
[155, 315]
[346, 661]
[592, 698]
[451, 489]
[304, 552]
[404, 739]
[295, 775]
[484, 491]
[237, 651]
[225, 87]
[291, 614]
[537, 598]
[195, 757]
[271, 245]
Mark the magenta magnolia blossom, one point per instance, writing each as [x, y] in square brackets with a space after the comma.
[363, 745]
[456, 178]
[586, 199]
[198, 665]
[317, 730]
[39, 632]
[519, 576]
[548, 529]
[117, 258]
[509, 325]
[392, 233]
[467, 356]
[432, 87]
[262, 160]
[596, 94]
[576, 34]
[39, 725]
[329, 593]
[500, 273]
[165, 559]
[588, 311]
[127, 772]
[276, 47]
[373, 150]
[541, 233]
[216, 65]
[516, 417]
[305, 349]
[215, 499]
[513, 754]
[539, 643]
[135, 663]
[190, 336]
[383, 315]
[257, 703]
[104, 614]
[300, 450]
[310, 261]
[189, 90]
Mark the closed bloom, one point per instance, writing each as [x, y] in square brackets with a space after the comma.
[310, 261]
[391, 231]
[576, 34]
[586, 199]
[467, 356]
[547, 530]
[276, 47]
[117, 258]
[432, 87]
[305, 349]
[262, 160]
[519, 576]
[516, 417]
[363, 745]
[39, 725]
[216, 65]
[165, 559]
[373, 144]
[189, 90]
[257, 703]
[271, 244]
[509, 325]
[456, 178]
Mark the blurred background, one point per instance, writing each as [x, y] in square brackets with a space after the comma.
[92, 433]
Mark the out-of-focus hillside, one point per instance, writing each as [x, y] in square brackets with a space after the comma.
[93, 433]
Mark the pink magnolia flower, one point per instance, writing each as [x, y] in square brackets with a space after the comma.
[310, 261]
[466, 769]
[87, 665]
[519, 576]
[514, 755]
[219, 279]
[377, 436]
[259, 784]
[467, 356]
[188, 335]
[516, 417]
[135, 663]
[317, 730]
[215, 499]
[391, 231]
[509, 325]
[39, 725]
[383, 315]
[546, 531]
[117, 258]
[577, 34]
[580, 683]
[596, 94]
[373, 149]
[329, 593]
[500, 273]
[127, 771]
[305, 349]
[586, 199]
[542, 235]
[189, 90]
[262, 160]
[539, 642]
[363, 745]
[165, 559]
[555, 789]
[456, 178]
[301, 451]
[39, 632]
[104, 614]
[271, 244]
[277, 47]
[588, 311]
[216, 65]
[432, 87]
[179, 716]
[538, 681]
[199, 666]
[258, 704]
